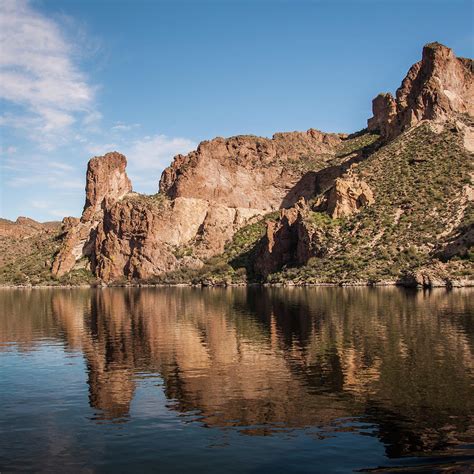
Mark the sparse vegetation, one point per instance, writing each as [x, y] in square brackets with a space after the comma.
[417, 180]
[150, 200]
[27, 261]
[362, 141]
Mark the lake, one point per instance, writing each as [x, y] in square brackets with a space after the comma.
[236, 380]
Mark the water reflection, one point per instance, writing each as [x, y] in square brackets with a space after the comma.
[269, 359]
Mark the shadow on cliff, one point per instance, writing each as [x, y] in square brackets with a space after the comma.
[313, 183]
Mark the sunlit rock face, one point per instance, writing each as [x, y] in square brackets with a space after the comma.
[245, 171]
[205, 197]
[106, 183]
[436, 88]
[208, 195]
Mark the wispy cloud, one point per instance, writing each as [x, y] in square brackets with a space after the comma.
[51, 119]
[39, 76]
[156, 152]
[98, 149]
[51, 182]
[8, 150]
[124, 127]
[49, 209]
[147, 156]
[42, 172]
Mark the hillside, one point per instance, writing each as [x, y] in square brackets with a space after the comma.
[391, 204]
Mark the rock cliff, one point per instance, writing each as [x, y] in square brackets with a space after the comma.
[204, 198]
[106, 183]
[436, 88]
[392, 203]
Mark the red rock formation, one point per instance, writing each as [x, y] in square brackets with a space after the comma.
[106, 183]
[435, 88]
[245, 171]
[205, 198]
[347, 196]
[106, 180]
[287, 241]
[207, 195]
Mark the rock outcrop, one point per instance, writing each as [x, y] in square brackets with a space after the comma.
[106, 183]
[292, 240]
[435, 88]
[459, 245]
[347, 196]
[205, 197]
[279, 247]
[246, 172]
[313, 179]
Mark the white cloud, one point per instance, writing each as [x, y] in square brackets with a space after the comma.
[8, 150]
[40, 204]
[156, 152]
[123, 127]
[38, 74]
[101, 149]
[50, 100]
[92, 118]
[59, 166]
[42, 171]
[146, 156]
[60, 213]
[49, 209]
[51, 182]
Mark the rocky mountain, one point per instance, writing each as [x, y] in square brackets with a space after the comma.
[390, 204]
[204, 198]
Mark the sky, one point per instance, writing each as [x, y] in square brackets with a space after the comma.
[151, 79]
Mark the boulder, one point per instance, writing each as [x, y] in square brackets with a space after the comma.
[346, 197]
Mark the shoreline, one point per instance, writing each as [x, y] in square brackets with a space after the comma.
[448, 285]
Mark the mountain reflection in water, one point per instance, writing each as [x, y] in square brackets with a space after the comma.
[267, 360]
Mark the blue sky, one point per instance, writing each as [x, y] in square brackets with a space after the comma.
[153, 78]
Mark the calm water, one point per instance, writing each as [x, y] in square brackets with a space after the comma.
[235, 380]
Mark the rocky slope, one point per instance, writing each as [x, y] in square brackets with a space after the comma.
[26, 249]
[204, 198]
[392, 203]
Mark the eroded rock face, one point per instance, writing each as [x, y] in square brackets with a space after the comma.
[245, 172]
[347, 196]
[210, 193]
[106, 183]
[106, 180]
[433, 275]
[435, 88]
[459, 245]
[291, 240]
[205, 197]
[279, 246]
[137, 240]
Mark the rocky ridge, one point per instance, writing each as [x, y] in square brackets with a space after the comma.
[436, 88]
[390, 204]
[204, 198]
